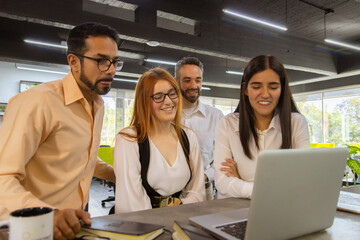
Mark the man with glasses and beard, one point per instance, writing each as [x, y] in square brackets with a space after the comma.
[201, 118]
[51, 134]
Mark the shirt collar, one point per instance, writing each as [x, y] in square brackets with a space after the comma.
[275, 123]
[201, 108]
[72, 92]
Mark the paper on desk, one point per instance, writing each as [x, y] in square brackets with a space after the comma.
[349, 202]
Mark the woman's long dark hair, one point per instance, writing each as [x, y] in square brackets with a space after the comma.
[285, 107]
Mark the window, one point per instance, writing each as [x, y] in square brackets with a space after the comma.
[333, 116]
[118, 111]
[119, 108]
[311, 107]
[226, 105]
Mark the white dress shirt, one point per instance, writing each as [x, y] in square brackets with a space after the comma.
[163, 178]
[203, 121]
[228, 145]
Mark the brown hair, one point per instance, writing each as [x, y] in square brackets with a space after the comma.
[285, 107]
[187, 61]
[78, 35]
[141, 118]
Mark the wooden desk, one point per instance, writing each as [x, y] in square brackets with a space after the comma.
[346, 225]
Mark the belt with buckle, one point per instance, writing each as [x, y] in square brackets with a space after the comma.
[161, 201]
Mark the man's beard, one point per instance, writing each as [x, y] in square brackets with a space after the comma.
[95, 87]
[191, 99]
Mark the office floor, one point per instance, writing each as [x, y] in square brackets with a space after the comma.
[99, 191]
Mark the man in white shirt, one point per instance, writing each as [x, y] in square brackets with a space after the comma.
[201, 118]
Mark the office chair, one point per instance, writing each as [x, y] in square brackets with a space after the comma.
[106, 154]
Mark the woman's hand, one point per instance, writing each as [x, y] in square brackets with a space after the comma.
[230, 169]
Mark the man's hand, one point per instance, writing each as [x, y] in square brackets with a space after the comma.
[66, 222]
[230, 169]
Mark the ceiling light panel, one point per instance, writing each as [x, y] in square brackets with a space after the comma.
[166, 45]
[63, 70]
[235, 72]
[159, 61]
[263, 22]
[45, 44]
[342, 44]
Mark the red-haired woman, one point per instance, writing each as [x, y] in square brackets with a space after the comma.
[156, 162]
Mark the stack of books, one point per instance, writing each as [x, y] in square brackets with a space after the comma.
[188, 232]
[127, 230]
[117, 229]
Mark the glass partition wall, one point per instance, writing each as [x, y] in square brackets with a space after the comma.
[333, 116]
[119, 105]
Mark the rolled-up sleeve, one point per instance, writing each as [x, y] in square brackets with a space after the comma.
[104, 170]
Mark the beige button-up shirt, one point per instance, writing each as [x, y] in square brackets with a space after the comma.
[48, 147]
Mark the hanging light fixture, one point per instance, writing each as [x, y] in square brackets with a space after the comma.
[342, 44]
[335, 42]
[234, 72]
[45, 44]
[159, 61]
[239, 15]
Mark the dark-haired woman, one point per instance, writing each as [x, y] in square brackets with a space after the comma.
[156, 162]
[266, 118]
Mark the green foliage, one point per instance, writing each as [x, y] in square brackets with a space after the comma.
[354, 164]
[341, 122]
[312, 112]
[353, 149]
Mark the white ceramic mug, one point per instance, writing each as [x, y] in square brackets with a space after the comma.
[31, 224]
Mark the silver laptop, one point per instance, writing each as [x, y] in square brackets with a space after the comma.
[295, 193]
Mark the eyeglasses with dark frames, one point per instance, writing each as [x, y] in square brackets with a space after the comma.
[160, 97]
[103, 63]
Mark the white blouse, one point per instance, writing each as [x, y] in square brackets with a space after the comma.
[228, 145]
[130, 195]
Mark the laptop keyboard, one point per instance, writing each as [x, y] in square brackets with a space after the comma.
[236, 229]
